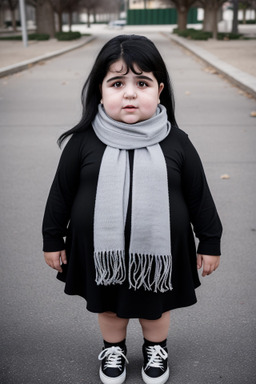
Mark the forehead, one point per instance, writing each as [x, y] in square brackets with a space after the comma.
[120, 66]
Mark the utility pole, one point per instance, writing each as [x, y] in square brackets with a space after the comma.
[23, 23]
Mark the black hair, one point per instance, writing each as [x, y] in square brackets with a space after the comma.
[133, 49]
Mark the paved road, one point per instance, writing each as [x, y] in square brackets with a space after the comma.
[50, 338]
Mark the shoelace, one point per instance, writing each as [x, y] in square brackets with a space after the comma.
[156, 356]
[113, 355]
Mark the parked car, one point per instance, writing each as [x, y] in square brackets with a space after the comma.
[117, 23]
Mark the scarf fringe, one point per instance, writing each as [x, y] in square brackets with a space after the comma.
[140, 272]
[110, 267]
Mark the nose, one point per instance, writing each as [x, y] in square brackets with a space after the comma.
[130, 93]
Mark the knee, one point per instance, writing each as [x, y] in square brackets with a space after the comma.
[108, 315]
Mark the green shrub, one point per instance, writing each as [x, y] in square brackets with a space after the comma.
[11, 37]
[32, 36]
[64, 36]
[38, 36]
[200, 36]
[193, 34]
[8, 23]
[229, 36]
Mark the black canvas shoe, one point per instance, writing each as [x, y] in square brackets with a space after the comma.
[113, 365]
[155, 369]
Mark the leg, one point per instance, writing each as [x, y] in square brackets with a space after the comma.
[156, 330]
[113, 357]
[155, 369]
[113, 328]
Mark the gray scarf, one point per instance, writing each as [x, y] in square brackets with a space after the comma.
[150, 261]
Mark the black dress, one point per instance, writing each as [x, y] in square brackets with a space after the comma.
[68, 224]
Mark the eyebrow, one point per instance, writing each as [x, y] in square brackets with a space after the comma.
[141, 77]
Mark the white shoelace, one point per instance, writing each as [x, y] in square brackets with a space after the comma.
[156, 354]
[113, 355]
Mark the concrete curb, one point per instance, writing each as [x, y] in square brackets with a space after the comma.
[21, 66]
[242, 79]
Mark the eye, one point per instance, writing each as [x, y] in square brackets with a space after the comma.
[117, 84]
[142, 84]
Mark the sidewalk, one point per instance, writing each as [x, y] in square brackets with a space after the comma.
[15, 57]
[234, 59]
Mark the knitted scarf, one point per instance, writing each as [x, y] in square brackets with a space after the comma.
[150, 261]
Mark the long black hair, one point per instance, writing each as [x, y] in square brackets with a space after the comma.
[132, 49]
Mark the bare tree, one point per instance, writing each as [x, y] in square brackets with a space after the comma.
[72, 6]
[90, 6]
[211, 8]
[44, 16]
[183, 7]
[12, 6]
[2, 10]
[61, 6]
[244, 5]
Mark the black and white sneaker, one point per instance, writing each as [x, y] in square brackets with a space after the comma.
[155, 369]
[113, 365]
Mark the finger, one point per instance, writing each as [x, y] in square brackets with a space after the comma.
[57, 266]
[63, 257]
[199, 261]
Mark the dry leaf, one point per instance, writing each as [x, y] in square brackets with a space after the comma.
[225, 176]
[187, 93]
[253, 114]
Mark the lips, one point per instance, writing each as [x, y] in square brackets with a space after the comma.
[129, 107]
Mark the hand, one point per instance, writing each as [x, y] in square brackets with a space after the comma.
[209, 263]
[54, 259]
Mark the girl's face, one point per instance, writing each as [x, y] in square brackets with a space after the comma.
[129, 98]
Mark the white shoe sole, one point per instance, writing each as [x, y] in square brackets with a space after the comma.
[155, 380]
[113, 380]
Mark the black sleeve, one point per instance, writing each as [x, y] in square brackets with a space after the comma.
[203, 214]
[61, 196]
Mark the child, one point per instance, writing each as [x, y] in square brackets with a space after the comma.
[128, 187]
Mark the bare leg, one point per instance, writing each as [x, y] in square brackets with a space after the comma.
[156, 330]
[113, 328]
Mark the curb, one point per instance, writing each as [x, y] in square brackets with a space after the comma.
[242, 79]
[21, 66]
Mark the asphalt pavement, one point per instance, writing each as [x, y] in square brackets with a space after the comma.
[49, 337]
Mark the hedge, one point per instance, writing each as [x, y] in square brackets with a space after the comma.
[195, 34]
[64, 36]
[32, 36]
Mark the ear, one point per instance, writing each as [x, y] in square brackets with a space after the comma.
[100, 88]
[160, 88]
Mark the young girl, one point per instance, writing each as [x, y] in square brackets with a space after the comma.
[128, 187]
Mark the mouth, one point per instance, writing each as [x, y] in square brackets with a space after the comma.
[130, 107]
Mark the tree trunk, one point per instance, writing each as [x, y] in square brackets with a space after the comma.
[215, 23]
[60, 21]
[182, 18]
[235, 17]
[70, 14]
[88, 18]
[14, 25]
[211, 19]
[244, 16]
[45, 17]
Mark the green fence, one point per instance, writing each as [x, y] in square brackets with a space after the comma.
[158, 16]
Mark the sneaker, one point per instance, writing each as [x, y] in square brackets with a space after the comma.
[113, 362]
[155, 369]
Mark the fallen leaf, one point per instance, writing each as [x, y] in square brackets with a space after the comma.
[187, 93]
[225, 176]
[253, 114]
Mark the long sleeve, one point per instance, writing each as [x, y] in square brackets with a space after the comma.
[61, 196]
[203, 214]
